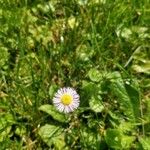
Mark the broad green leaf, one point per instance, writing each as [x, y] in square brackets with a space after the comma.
[141, 31]
[96, 104]
[141, 60]
[142, 68]
[134, 97]
[126, 33]
[51, 110]
[94, 75]
[4, 133]
[51, 134]
[127, 141]
[117, 140]
[113, 138]
[129, 102]
[20, 131]
[146, 83]
[6, 121]
[89, 89]
[126, 126]
[72, 22]
[83, 53]
[90, 139]
[145, 142]
[82, 2]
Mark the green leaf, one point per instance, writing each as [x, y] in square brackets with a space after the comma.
[117, 140]
[4, 133]
[127, 98]
[94, 75]
[20, 131]
[126, 33]
[142, 68]
[51, 134]
[72, 22]
[134, 97]
[113, 138]
[89, 139]
[145, 142]
[127, 141]
[146, 83]
[141, 60]
[83, 53]
[4, 55]
[96, 104]
[89, 89]
[51, 110]
[6, 121]
[126, 127]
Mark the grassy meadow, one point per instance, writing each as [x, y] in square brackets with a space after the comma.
[101, 48]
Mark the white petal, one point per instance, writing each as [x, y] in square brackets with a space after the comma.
[66, 108]
[60, 108]
[56, 100]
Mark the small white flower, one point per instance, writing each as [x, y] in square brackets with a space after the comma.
[66, 100]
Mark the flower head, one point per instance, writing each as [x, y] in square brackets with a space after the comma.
[66, 100]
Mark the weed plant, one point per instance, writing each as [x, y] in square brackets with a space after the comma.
[100, 48]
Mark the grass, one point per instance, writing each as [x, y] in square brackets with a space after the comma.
[99, 47]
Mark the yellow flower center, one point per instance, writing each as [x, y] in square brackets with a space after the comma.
[66, 99]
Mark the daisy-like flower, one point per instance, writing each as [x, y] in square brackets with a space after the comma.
[66, 100]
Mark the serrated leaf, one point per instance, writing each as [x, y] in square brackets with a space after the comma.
[51, 134]
[96, 104]
[94, 75]
[129, 102]
[51, 110]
